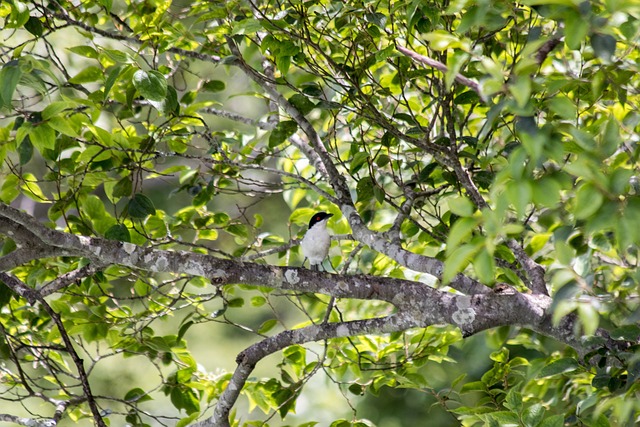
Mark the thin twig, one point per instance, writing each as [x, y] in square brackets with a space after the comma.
[33, 296]
[471, 84]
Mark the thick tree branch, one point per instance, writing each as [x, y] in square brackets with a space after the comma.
[318, 155]
[421, 301]
[28, 422]
[546, 48]
[417, 305]
[472, 314]
[361, 232]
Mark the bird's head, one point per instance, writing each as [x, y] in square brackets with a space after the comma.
[319, 217]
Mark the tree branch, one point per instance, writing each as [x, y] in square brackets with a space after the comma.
[361, 233]
[28, 422]
[32, 296]
[114, 36]
[421, 301]
[66, 279]
[471, 314]
[417, 304]
[248, 358]
[471, 84]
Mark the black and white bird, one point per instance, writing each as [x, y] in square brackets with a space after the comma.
[316, 241]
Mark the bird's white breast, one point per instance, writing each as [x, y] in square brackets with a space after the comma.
[316, 242]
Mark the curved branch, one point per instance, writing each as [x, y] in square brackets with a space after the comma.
[472, 314]
[422, 302]
[248, 358]
[417, 304]
[361, 233]
[465, 81]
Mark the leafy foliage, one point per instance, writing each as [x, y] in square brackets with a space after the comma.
[489, 140]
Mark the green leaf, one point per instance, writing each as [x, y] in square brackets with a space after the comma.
[626, 333]
[521, 90]
[533, 415]
[151, 84]
[484, 266]
[357, 161]
[283, 62]
[186, 421]
[563, 107]
[258, 301]
[604, 46]
[378, 19]
[169, 105]
[111, 80]
[214, 86]
[43, 137]
[286, 399]
[93, 207]
[610, 138]
[236, 302]
[31, 189]
[519, 194]
[140, 206]
[10, 189]
[364, 189]
[86, 51]
[461, 206]
[34, 26]
[118, 232]
[25, 151]
[185, 398]
[589, 318]
[183, 329]
[88, 75]
[238, 230]
[458, 261]
[302, 103]
[513, 400]
[576, 29]
[538, 242]
[282, 132]
[57, 107]
[19, 15]
[553, 421]
[588, 201]
[137, 395]
[123, 188]
[267, 325]
[9, 76]
[560, 366]
[118, 56]
[546, 192]
[247, 26]
[441, 40]
[460, 232]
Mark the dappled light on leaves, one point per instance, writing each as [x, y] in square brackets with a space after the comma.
[160, 162]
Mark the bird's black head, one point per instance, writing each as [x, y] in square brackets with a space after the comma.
[317, 217]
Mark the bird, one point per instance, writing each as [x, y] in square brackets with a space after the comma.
[316, 241]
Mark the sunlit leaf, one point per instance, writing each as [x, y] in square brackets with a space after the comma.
[151, 84]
